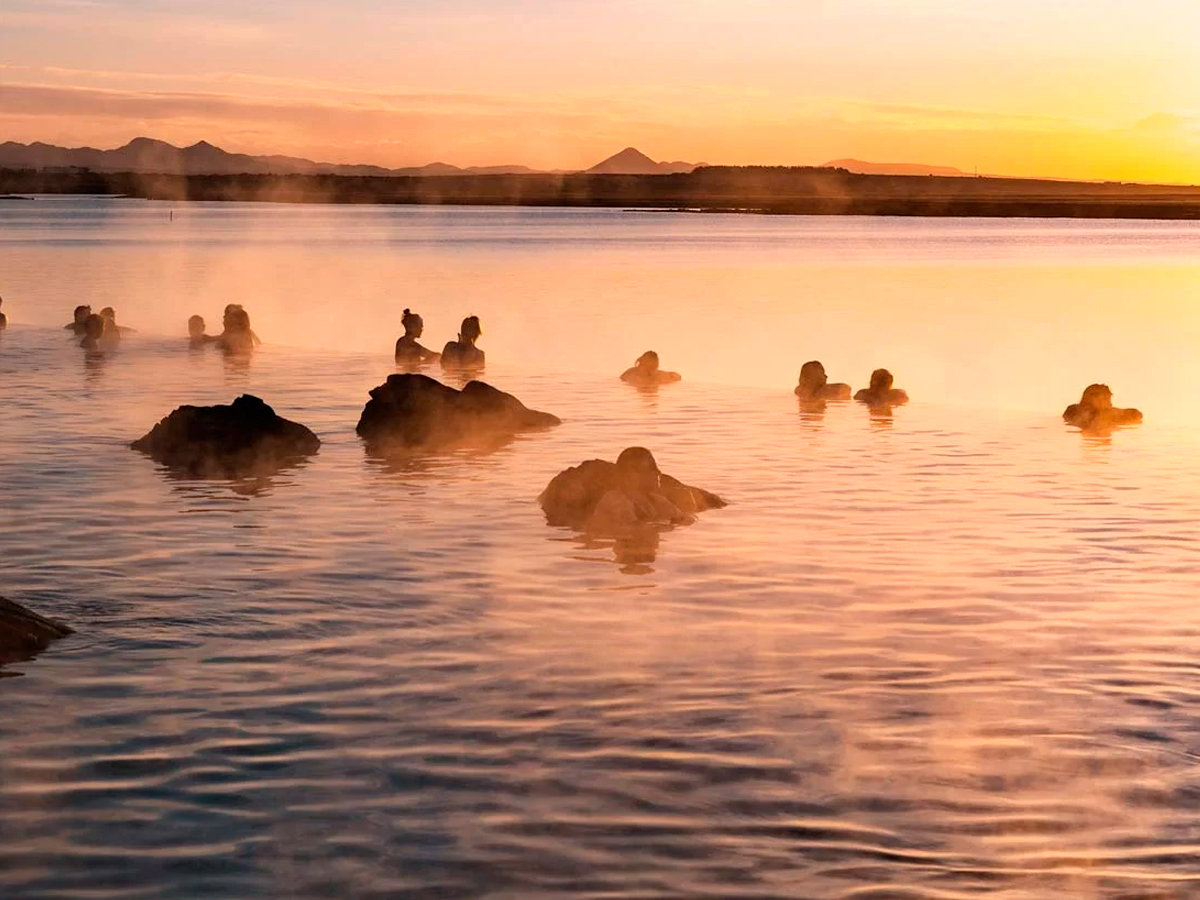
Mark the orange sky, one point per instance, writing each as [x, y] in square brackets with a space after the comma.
[1099, 89]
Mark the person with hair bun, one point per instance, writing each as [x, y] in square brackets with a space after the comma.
[408, 351]
[814, 386]
[463, 353]
[237, 337]
[646, 373]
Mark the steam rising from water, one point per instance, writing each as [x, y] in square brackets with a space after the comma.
[992, 313]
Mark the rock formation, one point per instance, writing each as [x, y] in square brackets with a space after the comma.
[411, 411]
[601, 497]
[244, 438]
[24, 634]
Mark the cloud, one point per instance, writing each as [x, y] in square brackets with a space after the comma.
[90, 17]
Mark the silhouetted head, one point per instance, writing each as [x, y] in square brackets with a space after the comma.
[1097, 396]
[649, 362]
[81, 314]
[93, 326]
[881, 380]
[109, 313]
[414, 325]
[196, 326]
[470, 330]
[812, 375]
[637, 470]
[230, 316]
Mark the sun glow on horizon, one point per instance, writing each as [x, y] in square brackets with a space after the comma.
[1083, 90]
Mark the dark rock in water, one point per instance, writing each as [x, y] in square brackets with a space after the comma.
[411, 410]
[610, 498]
[24, 634]
[243, 438]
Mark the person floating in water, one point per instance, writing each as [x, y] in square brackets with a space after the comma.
[645, 372]
[237, 337]
[408, 351]
[814, 385]
[78, 326]
[3, 317]
[196, 335]
[1095, 411]
[93, 333]
[463, 353]
[881, 392]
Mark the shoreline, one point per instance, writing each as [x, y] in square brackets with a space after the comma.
[746, 191]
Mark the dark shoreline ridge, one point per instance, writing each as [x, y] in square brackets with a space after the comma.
[755, 189]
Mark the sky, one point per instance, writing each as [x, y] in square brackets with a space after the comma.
[1096, 89]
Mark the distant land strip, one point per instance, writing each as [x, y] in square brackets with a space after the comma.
[754, 189]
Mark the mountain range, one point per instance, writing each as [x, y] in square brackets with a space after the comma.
[147, 155]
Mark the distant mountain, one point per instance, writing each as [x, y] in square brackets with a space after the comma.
[158, 157]
[631, 161]
[870, 168]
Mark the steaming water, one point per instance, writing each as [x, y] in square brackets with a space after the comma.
[949, 654]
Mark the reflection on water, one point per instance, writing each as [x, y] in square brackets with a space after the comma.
[947, 658]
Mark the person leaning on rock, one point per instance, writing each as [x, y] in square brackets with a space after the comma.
[1095, 411]
[606, 498]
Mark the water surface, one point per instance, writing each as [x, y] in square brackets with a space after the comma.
[947, 654]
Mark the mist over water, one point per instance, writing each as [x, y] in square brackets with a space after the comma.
[945, 654]
[1017, 314]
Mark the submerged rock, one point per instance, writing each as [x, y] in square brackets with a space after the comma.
[607, 498]
[244, 438]
[412, 410]
[24, 634]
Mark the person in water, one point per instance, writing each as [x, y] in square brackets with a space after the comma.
[463, 353]
[93, 333]
[111, 336]
[645, 372]
[78, 326]
[196, 335]
[109, 315]
[1095, 411]
[881, 392]
[237, 336]
[408, 351]
[3, 317]
[814, 385]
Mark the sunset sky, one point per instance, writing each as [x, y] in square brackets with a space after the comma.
[1075, 88]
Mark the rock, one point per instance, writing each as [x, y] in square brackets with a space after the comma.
[412, 410]
[244, 438]
[24, 634]
[603, 497]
